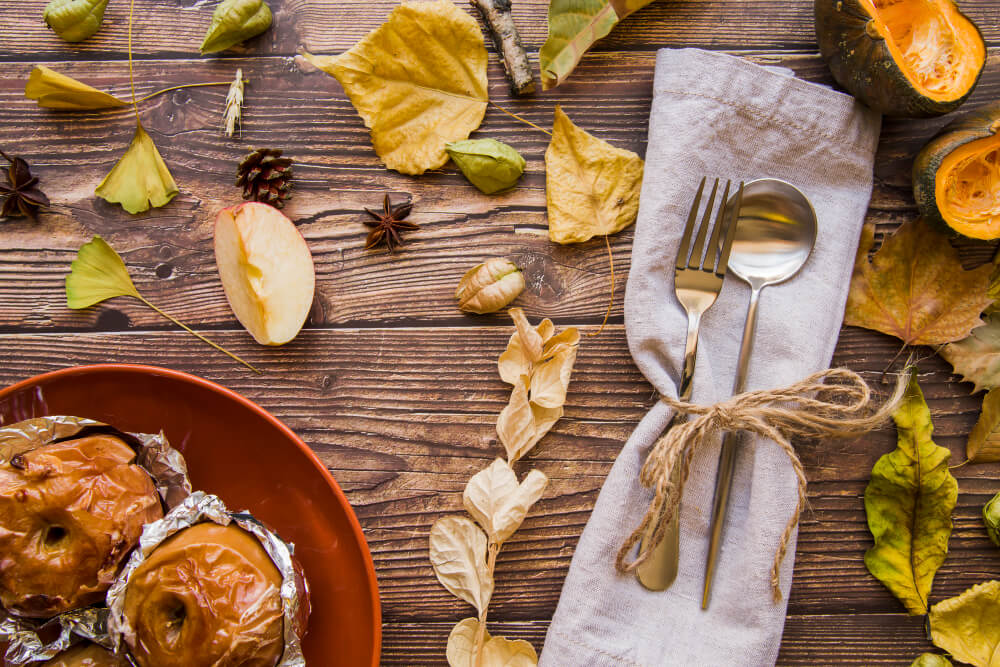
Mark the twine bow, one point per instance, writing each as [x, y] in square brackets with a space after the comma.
[835, 403]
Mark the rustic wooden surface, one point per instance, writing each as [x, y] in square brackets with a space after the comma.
[393, 387]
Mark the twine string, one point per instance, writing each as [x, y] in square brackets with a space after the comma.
[835, 403]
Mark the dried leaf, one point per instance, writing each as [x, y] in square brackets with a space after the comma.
[977, 357]
[516, 424]
[418, 82]
[931, 660]
[915, 288]
[458, 554]
[490, 165]
[909, 502]
[98, 274]
[461, 650]
[53, 90]
[235, 21]
[495, 499]
[550, 379]
[574, 26]
[497, 651]
[591, 187]
[140, 179]
[984, 439]
[968, 626]
[490, 286]
[531, 340]
[75, 20]
[991, 519]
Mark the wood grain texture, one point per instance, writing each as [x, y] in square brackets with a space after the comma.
[176, 27]
[336, 175]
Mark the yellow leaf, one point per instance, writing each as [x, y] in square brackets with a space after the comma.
[550, 379]
[458, 554]
[516, 424]
[531, 340]
[53, 90]
[591, 187]
[418, 82]
[514, 362]
[984, 439]
[495, 499]
[909, 502]
[97, 274]
[140, 179]
[497, 651]
[461, 650]
[968, 626]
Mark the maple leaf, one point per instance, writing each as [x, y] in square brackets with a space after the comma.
[915, 288]
[418, 82]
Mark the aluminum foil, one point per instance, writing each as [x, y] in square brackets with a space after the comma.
[25, 636]
[198, 508]
[163, 463]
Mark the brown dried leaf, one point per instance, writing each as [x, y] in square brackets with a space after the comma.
[984, 439]
[550, 379]
[915, 288]
[461, 650]
[458, 554]
[977, 357]
[531, 340]
[497, 651]
[495, 499]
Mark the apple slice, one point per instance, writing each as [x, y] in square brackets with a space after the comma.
[266, 270]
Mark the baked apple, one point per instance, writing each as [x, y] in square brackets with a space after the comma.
[70, 512]
[208, 595]
[86, 655]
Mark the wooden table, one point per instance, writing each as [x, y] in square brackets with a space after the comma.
[393, 387]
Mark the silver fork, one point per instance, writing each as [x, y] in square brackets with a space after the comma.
[698, 278]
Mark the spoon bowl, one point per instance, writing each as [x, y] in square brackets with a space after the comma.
[775, 233]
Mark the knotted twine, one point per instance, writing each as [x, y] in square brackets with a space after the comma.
[835, 403]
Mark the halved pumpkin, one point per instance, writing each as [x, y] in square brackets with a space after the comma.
[956, 176]
[912, 58]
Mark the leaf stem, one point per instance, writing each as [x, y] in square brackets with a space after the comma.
[523, 120]
[611, 302]
[197, 335]
[186, 85]
[491, 564]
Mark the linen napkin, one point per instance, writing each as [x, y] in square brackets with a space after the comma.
[720, 116]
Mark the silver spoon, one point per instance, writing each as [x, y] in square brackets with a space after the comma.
[775, 233]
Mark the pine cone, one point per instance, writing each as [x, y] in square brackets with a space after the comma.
[265, 177]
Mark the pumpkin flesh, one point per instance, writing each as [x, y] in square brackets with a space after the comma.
[939, 51]
[967, 188]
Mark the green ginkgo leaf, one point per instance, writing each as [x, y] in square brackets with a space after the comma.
[98, 273]
[140, 179]
[75, 20]
[909, 501]
[235, 21]
[53, 90]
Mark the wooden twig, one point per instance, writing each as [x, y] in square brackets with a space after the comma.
[496, 14]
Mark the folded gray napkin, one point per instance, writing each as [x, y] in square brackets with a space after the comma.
[720, 116]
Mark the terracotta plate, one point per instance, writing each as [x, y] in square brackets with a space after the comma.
[252, 461]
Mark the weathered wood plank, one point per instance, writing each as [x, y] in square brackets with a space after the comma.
[337, 175]
[178, 26]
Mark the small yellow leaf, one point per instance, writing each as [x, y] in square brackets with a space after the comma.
[140, 179]
[984, 439]
[516, 424]
[531, 340]
[591, 187]
[968, 626]
[97, 274]
[550, 379]
[458, 554]
[461, 650]
[53, 90]
[418, 82]
[501, 652]
[495, 499]
[514, 363]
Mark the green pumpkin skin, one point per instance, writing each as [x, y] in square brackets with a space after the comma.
[980, 124]
[860, 61]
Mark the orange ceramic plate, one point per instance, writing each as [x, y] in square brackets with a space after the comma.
[241, 453]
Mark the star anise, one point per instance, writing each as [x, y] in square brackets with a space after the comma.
[388, 223]
[20, 193]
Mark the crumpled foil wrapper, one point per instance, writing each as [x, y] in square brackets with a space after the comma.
[31, 640]
[198, 508]
[164, 464]
[25, 635]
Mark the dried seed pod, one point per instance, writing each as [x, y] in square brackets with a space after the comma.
[488, 287]
[490, 165]
[75, 20]
[991, 517]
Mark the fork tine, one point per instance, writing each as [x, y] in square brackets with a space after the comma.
[682, 251]
[699, 242]
[730, 233]
[713, 243]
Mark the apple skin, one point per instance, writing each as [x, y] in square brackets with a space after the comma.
[266, 270]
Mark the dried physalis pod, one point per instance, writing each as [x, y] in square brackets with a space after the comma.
[488, 287]
[86, 655]
[70, 512]
[210, 588]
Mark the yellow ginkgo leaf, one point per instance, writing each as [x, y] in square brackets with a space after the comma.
[140, 179]
[591, 187]
[53, 90]
[418, 82]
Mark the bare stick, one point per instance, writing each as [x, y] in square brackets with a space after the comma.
[496, 14]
